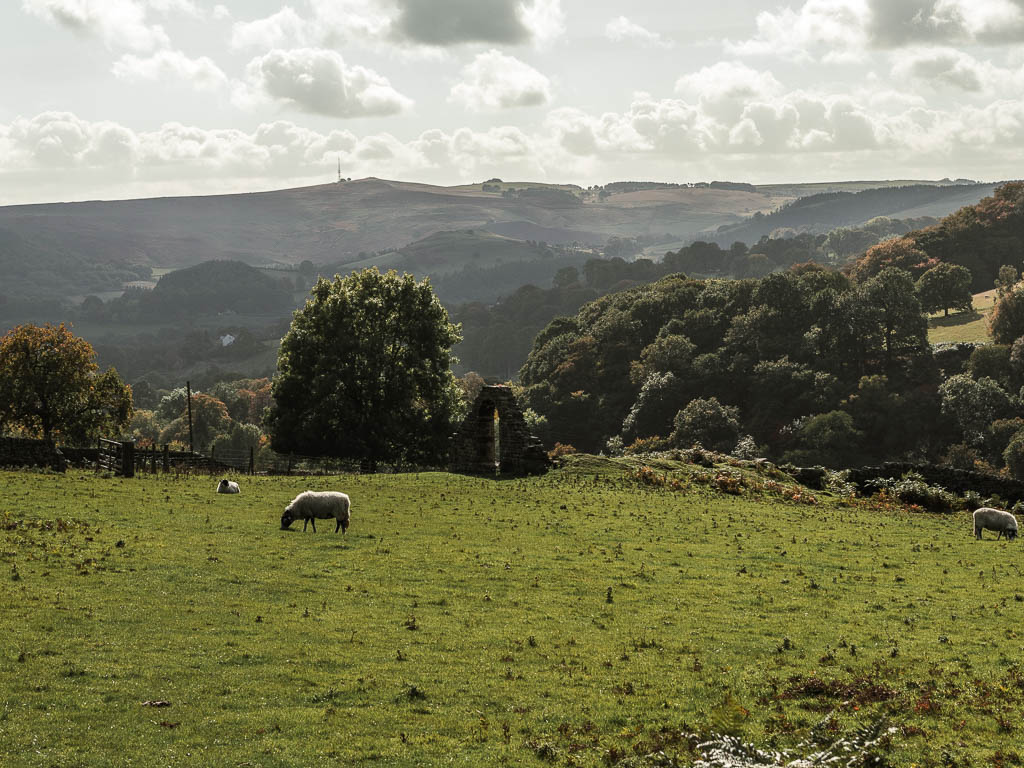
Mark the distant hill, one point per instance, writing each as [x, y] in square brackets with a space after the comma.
[828, 210]
[981, 237]
[210, 288]
[65, 251]
[473, 265]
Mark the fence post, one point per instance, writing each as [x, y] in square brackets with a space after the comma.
[188, 391]
[127, 458]
[252, 461]
[167, 459]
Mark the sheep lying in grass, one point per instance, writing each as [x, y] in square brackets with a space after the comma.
[995, 520]
[308, 506]
[227, 486]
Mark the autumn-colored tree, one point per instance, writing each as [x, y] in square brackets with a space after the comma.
[51, 386]
[902, 252]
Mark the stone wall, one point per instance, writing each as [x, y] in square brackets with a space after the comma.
[473, 447]
[958, 481]
[21, 452]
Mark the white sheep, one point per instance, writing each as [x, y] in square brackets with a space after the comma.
[310, 505]
[227, 486]
[994, 520]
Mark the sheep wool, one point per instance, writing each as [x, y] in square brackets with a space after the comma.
[228, 486]
[987, 518]
[309, 506]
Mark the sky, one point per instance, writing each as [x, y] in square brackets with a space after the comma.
[117, 99]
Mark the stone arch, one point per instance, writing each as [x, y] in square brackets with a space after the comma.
[479, 448]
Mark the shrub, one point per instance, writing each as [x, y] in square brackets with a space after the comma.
[862, 747]
[645, 445]
[960, 456]
[746, 448]
[1013, 455]
[913, 490]
[1000, 433]
[707, 422]
[560, 450]
[827, 438]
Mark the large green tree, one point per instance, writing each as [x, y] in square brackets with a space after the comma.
[1007, 319]
[363, 373]
[945, 286]
[51, 386]
[903, 328]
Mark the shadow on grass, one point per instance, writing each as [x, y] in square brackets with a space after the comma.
[958, 318]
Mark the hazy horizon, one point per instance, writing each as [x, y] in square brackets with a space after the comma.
[124, 99]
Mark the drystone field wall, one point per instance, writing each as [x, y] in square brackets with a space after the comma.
[956, 480]
[23, 452]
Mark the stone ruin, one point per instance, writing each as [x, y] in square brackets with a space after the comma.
[477, 450]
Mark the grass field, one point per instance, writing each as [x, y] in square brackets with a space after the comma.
[964, 326]
[581, 618]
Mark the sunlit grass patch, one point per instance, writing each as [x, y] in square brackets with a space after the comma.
[582, 618]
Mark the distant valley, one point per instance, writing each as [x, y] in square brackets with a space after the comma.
[62, 250]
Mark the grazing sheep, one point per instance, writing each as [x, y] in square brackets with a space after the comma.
[227, 486]
[310, 505]
[995, 520]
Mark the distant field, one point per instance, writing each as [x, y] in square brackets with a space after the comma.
[963, 326]
[576, 619]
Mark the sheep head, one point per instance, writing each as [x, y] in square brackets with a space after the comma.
[286, 518]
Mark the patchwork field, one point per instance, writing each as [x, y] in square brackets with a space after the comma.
[964, 326]
[583, 618]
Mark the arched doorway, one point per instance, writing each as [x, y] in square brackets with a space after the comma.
[494, 438]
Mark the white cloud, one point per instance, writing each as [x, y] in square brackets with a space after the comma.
[544, 19]
[319, 81]
[765, 133]
[833, 29]
[621, 29]
[494, 80]
[942, 67]
[723, 89]
[221, 12]
[284, 28]
[118, 23]
[415, 23]
[201, 73]
[185, 7]
[177, 158]
[895, 24]
[837, 30]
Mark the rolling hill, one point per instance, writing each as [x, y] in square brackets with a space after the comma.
[62, 250]
[824, 211]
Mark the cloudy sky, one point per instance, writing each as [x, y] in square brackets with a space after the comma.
[131, 98]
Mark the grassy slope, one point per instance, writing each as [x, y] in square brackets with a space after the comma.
[467, 621]
[963, 326]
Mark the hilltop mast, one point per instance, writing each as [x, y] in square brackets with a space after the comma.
[339, 169]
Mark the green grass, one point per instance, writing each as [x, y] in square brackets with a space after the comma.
[575, 619]
[964, 326]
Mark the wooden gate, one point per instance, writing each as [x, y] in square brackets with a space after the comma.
[116, 457]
